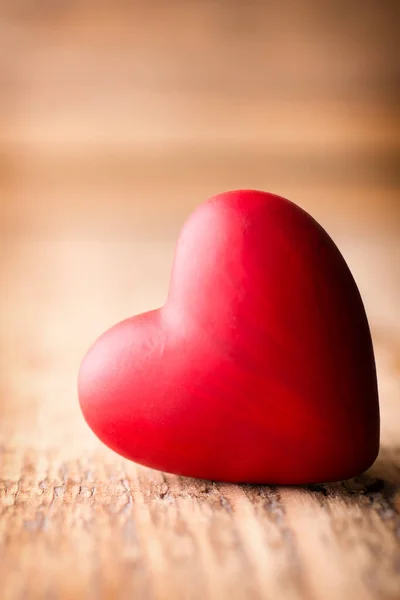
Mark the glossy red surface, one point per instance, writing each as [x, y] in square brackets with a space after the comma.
[260, 366]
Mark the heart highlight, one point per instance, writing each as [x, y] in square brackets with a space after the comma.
[259, 368]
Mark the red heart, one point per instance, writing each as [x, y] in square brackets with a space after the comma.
[260, 366]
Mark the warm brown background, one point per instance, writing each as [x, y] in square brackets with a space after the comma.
[116, 120]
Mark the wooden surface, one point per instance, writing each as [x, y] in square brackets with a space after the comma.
[116, 120]
[78, 521]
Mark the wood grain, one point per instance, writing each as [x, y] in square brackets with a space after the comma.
[116, 120]
[78, 521]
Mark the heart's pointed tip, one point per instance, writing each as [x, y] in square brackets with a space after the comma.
[243, 380]
[264, 477]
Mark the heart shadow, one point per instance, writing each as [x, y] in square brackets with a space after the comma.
[374, 488]
[377, 486]
[382, 478]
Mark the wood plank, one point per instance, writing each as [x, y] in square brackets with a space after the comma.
[78, 521]
[116, 119]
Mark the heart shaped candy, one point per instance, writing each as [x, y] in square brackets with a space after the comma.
[260, 366]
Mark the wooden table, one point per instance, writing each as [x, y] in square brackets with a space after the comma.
[77, 521]
[116, 119]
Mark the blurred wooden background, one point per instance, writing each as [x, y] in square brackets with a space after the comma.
[116, 120]
[152, 106]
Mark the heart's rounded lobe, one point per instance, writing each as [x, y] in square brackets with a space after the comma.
[260, 366]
